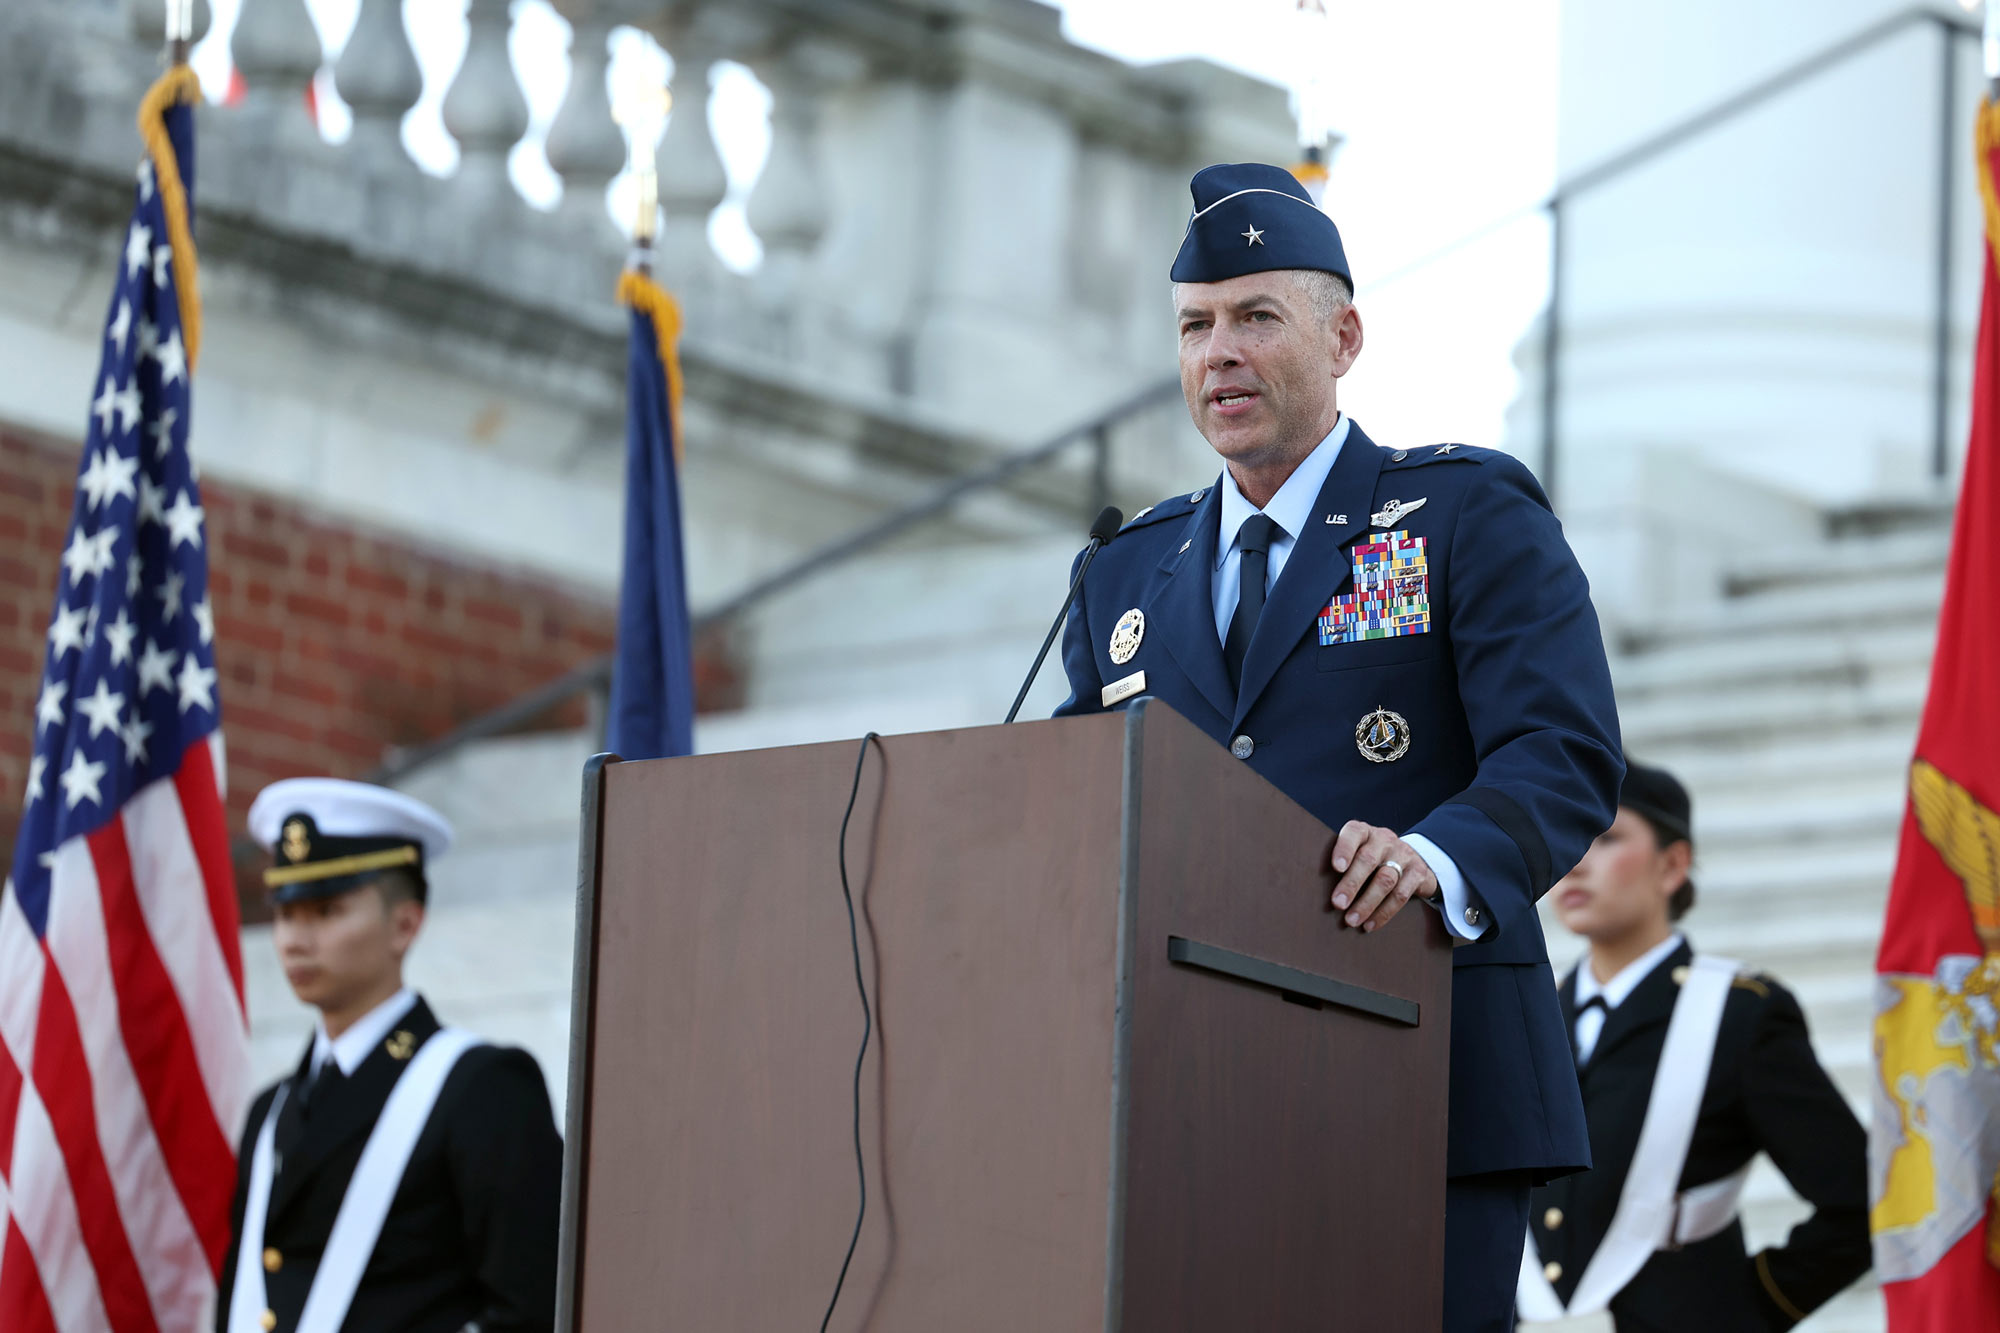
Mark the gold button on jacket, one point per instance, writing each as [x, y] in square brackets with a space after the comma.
[1552, 1271]
[1552, 1219]
[273, 1261]
[268, 1320]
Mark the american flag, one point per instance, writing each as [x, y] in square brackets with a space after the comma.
[124, 1065]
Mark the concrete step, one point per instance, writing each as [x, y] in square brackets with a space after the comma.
[1870, 812]
[1750, 718]
[1835, 761]
[1841, 655]
[1923, 550]
[1867, 604]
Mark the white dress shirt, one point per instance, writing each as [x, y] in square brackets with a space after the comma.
[1590, 1024]
[1291, 509]
[370, 1030]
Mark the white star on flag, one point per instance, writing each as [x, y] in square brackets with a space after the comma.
[149, 336]
[172, 358]
[119, 635]
[65, 631]
[152, 502]
[129, 406]
[184, 521]
[134, 572]
[37, 766]
[197, 684]
[163, 255]
[138, 249]
[48, 708]
[156, 669]
[170, 597]
[162, 432]
[121, 325]
[80, 779]
[105, 406]
[80, 558]
[145, 180]
[109, 476]
[135, 735]
[102, 708]
[204, 619]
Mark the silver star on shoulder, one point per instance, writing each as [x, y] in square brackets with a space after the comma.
[80, 779]
[1253, 236]
[1445, 449]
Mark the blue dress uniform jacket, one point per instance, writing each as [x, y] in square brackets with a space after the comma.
[471, 1234]
[1514, 758]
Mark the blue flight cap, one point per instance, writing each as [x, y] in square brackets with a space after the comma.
[1250, 217]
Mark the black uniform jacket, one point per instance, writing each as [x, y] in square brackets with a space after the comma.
[471, 1234]
[1766, 1093]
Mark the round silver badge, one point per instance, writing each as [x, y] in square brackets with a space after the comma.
[1382, 736]
[1125, 638]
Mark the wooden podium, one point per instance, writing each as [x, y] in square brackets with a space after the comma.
[1129, 1071]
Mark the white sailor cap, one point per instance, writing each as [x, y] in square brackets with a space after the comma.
[330, 835]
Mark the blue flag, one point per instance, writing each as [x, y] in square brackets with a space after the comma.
[652, 680]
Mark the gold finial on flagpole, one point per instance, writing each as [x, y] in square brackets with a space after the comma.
[640, 107]
[180, 30]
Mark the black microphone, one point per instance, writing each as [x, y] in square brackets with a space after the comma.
[1102, 530]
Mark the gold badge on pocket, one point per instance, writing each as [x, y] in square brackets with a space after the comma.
[1127, 635]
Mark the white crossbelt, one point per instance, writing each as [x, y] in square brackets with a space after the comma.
[1652, 1215]
[365, 1207]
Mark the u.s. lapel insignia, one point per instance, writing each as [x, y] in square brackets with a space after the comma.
[1126, 636]
[401, 1045]
[1389, 515]
[1337, 520]
[1382, 736]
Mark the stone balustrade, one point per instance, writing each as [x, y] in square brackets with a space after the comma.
[953, 191]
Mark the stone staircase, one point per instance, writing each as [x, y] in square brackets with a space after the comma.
[1789, 706]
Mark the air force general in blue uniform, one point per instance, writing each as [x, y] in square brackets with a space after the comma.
[1399, 639]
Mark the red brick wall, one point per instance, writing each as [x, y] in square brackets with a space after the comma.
[333, 645]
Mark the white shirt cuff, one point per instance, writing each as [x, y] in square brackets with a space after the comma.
[1464, 915]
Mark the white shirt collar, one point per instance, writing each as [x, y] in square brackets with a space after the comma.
[1292, 506]
[351, 1047]
[1621, 986]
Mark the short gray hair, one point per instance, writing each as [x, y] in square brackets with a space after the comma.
[1327, 293]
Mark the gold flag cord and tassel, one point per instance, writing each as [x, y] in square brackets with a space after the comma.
[177, 87]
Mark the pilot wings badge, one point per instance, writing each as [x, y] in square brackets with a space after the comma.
[1389, 515]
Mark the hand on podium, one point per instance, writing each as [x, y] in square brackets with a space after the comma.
[1379, 873]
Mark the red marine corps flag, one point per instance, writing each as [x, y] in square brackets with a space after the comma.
[1934, 1148]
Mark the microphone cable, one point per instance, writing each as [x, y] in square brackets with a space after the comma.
[867, 1030]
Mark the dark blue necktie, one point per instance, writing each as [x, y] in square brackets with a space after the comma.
[1254, 540]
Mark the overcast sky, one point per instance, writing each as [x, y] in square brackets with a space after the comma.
[1446, 109]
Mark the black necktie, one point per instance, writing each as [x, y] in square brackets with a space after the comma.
[1576, 1029]
[328, 1080]
[1254, 540]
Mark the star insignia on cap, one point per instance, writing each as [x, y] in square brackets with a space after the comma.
[1253, 236]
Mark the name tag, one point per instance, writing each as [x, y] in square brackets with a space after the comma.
[1392, 592]
[1123, 689]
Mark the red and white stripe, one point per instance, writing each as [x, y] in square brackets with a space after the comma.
[124, 1071]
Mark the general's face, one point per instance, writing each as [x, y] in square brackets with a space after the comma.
[1259, 364]
[1623, 882]
[336, 949]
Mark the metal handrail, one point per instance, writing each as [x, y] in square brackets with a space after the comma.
[1953, 27]
[595, 675]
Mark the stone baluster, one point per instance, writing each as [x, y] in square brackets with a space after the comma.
[692, 178]
[585, 145]
[277, 51]
[378, 77]
[485, 110]
[789, 208]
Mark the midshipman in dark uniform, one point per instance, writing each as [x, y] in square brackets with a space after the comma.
[407, 1178]
[1690, 1068]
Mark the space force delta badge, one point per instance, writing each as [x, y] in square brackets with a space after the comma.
[1391, 595]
